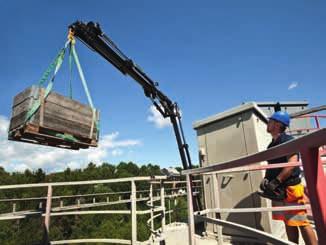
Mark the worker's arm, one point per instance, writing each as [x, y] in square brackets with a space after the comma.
[283, 176]
[287, 171]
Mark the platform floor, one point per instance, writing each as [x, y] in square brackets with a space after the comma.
[177, 234]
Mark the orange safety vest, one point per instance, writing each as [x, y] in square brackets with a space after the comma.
[295, 196]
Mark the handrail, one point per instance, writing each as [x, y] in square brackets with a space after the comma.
[316, 120]
[48, 211]
[252, 210]
[23, 214]
[91, 212]
[100, 240]
[308, 146]
[256, 167]
[68, 210]
[314, 139]
[86, 182]
[307, 116]
[88, 195]
[308, 111]
[263, 236]
[299, 131]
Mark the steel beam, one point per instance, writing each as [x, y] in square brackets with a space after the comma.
[316, 181]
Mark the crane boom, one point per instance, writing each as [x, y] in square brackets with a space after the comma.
[92, 35]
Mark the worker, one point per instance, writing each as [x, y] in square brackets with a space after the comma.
[283, 185]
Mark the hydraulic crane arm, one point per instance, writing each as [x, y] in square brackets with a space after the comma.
[92, 35]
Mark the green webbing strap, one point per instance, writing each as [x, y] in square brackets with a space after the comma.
[66, 137]
[56, 66]
[97, 124]
[51, 67]
[70, 71]
[89, 98]
[82, 77]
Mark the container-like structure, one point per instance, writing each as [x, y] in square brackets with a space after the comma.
[58, 121]
[232, 134]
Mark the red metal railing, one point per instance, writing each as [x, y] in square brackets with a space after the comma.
[316, 119]
[308, 146]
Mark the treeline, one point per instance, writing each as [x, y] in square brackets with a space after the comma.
[30, 229]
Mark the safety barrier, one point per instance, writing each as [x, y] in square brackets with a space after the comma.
[308, 147]
[133, 212]
[317, 124]
[151, 196]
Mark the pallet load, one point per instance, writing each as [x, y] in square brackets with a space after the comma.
[41, 116]
[60, 121]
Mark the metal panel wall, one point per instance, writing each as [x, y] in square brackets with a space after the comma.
[221, 141]
[236, 188]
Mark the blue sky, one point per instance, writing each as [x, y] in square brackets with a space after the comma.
[208, 56]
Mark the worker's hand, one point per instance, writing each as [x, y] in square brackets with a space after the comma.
[273, 184]
[263, 184]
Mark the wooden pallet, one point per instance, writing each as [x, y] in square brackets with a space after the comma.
[31, 133]
[56, 115]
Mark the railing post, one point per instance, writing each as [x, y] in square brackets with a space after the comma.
[218, 205]
[163, 205]
[152, 207]
[317, 122]
[316, 181]
[133, 213]
[191, 221]
[47, 216]
[170, 221]
[14, 207]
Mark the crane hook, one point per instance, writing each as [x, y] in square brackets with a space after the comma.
[71, 36]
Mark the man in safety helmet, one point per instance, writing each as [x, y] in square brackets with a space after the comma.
[283, 185]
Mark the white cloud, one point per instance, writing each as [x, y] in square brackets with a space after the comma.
[17, 156]
[3, 125]
[156, 118]
[293, 85]
[117, 152]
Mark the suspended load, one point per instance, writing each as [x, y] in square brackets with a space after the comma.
[41, 116]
